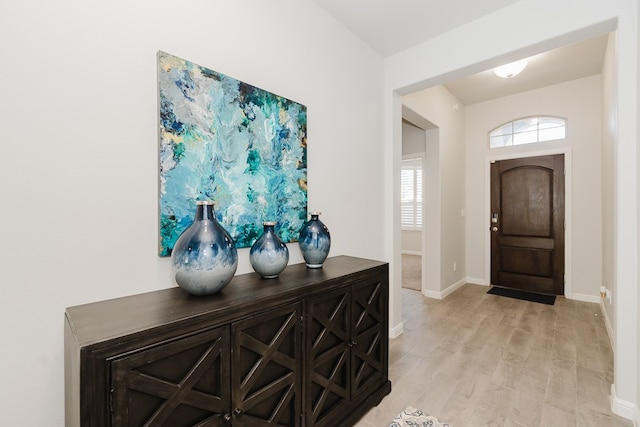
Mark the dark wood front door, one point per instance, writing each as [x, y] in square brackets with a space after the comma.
[527, 224]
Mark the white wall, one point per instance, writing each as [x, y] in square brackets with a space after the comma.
[79, 163]
[523, 29]
[636, 417]
[414, 140]
[609, 130]
[579, 102]
[412, 242]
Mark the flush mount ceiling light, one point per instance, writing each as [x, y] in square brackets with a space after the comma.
[510, 70]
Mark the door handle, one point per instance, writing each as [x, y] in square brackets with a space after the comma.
[494, 229]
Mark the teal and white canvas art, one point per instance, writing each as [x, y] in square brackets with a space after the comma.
[228, 141]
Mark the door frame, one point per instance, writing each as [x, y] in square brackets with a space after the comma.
[568, 210]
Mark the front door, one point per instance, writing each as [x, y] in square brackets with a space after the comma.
[527, 224]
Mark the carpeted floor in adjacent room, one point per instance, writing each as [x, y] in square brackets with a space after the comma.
[412, 272]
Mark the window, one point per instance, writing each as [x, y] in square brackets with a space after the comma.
[527, 131]
[411, 194]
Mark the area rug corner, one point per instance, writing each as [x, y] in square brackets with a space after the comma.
[412, 417]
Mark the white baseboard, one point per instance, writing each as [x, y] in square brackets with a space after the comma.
[586, 298]
[396, 331]
[443, 294]
[623, 408]
[406, 252]
[476, 281]
[607, 324]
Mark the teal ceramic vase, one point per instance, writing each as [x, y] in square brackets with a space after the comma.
[268, 255]
[204, 259]
[314, 241]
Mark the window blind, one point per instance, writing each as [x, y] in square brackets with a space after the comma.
[411, 194]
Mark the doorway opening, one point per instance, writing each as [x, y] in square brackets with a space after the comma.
[420, 242]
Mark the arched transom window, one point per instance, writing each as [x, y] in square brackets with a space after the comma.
[528, 131]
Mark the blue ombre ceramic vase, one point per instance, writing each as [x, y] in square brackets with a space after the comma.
[315, 241]
[204, 258]
[268, 255]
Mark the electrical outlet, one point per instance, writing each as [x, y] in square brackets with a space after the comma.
[455, 266]
[606, 293]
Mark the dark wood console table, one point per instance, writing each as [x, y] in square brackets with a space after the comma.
[309, 348]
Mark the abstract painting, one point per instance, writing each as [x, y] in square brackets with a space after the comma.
[225, 140]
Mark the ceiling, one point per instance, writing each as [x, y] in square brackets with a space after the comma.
[390, 27]
[555, 66]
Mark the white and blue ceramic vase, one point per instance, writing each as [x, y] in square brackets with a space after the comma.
[315, 241]
[268, 255]
[204, 258]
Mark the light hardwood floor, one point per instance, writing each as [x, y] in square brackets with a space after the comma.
[475, 359]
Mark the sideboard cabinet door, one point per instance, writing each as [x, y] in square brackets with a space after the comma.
[182, 382]
[370, 344]
[266, 368]
[346, 350]
[328, 358]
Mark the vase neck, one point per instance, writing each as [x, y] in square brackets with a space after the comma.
[205, 212]
[269, 228]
